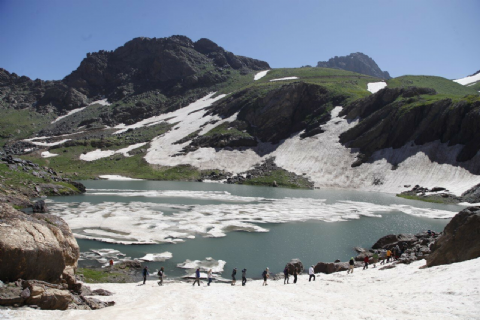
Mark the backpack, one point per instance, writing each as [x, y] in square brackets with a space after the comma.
[264, 273]
[160, 273]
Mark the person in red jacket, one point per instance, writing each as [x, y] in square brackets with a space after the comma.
[365, 261]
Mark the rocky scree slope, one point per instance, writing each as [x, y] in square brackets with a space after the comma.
[391, 118]
[356, 62]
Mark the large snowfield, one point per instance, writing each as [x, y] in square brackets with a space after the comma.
[322, 157]
[405, 292]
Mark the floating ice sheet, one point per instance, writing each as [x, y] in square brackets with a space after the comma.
[144, 222]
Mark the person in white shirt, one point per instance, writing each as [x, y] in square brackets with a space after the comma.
[311, 272]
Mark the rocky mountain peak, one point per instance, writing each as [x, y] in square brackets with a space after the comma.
[356, 62]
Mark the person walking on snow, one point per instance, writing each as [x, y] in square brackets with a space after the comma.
[383, 255]
[365, 261]
[209, 277]
[311, 272]
[244, 277]
[265, 276]
[145, 274]
[161, 272]
[375, 259]
[295, 274]
[351, 265]
[234, 273]
[389, 255]
[285, 275]
[197, 277]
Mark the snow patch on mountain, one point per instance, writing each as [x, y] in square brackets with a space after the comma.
[374, 87]
[99, 154]
[284, 79]
[260, 75]
[469, 79]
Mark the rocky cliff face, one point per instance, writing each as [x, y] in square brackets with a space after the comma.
[392, 118]
[144, 72]
[166, 64]
[356, 62]
[39, 246]
[275, 115]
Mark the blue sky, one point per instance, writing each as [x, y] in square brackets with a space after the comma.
[48, 39]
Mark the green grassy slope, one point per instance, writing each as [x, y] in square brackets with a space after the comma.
[441, 85]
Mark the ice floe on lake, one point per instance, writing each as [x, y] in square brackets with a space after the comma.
[217, 266]
[103, 256]
[157, 256]
[374, 87]
[148, 222]
[117, 177]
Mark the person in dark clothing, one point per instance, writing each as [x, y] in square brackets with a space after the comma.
[295, 274]
[197, 277]
[285, 275]
[244, 277]
[351, 265]
[265, 276]
[145, 274]
[234, 273]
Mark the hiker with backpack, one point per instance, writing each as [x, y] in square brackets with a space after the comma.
[234, 273]
[244, 277]
[161, 272]
[265, 275]
[197, 277]
[351, 265]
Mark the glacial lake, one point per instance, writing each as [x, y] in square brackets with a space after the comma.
[246, 226]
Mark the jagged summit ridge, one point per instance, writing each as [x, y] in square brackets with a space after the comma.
[356, 62]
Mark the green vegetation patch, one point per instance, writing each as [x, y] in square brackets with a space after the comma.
[21, 124]
[226, 129]
[441, 85]
[101, 276]
[282, 178]
[425, 199]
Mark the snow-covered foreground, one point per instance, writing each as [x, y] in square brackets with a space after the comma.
[405, 292]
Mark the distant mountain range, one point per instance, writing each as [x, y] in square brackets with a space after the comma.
[356, 62]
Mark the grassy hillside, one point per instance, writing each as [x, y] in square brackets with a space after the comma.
[353, 85]
[441, 85]
[20, 124]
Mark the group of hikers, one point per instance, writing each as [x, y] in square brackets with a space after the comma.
[383, 255]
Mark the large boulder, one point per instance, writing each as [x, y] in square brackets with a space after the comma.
[39, 246]
[295, 263]
[460, 240]
[392, 240]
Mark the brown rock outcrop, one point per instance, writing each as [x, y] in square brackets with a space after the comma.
[460, 240]
[38, 246]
